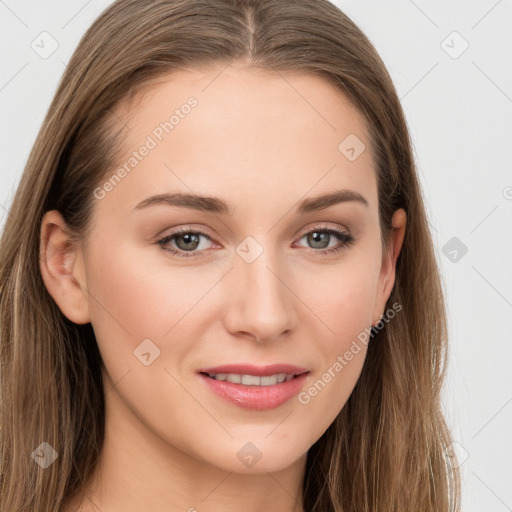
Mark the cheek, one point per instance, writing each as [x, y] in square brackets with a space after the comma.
[124, 306]
[342, 299]
[141, 294]
[134, 297]
[342, 296]
[136, 300]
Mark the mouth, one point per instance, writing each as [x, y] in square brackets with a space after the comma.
[257, 388]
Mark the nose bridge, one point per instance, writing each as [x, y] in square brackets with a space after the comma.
[261, 304]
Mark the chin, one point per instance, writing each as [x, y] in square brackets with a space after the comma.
[258, 455]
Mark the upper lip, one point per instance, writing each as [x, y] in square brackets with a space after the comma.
[250, 369]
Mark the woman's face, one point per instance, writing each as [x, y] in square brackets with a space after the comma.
[258, 275]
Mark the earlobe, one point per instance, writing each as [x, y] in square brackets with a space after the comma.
[61, 265]
[388, 268]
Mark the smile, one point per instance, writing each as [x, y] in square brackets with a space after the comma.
[252, 380]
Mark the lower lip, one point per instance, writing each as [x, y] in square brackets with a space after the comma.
[259, 398]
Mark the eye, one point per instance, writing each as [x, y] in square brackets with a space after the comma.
[186, 240]
[321, 236]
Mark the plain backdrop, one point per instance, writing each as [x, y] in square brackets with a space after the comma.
[451, 63]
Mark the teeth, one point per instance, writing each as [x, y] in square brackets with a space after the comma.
[269, 380]
[252, 380]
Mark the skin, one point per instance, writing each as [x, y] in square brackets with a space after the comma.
[261, 145]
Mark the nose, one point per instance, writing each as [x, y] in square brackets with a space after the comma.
[260, 303]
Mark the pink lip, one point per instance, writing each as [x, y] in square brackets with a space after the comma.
[260, 371]
[258, 398]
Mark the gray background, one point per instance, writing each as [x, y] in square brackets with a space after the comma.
[459, 110]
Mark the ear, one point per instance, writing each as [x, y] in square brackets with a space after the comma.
[387, 273]
[62, 269]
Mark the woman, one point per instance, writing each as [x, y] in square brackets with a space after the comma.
[294, 359]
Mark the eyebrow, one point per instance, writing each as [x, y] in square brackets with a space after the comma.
[217, 205]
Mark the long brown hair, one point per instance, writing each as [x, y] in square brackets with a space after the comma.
[386, 449]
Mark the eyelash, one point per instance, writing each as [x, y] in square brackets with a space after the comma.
[346, 241]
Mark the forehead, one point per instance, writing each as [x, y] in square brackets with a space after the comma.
[250, 134]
